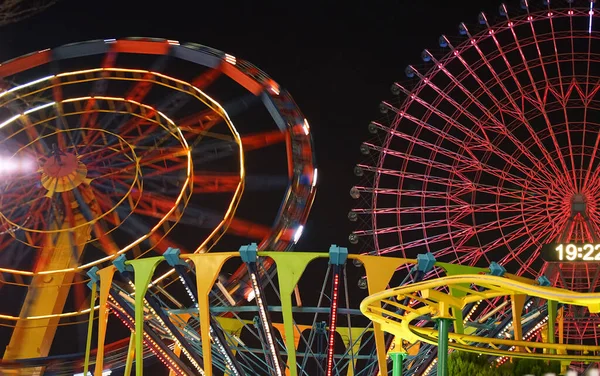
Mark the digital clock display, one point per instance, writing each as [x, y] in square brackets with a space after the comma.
[571, 252]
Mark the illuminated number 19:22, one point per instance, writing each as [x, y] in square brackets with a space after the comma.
[571, 252]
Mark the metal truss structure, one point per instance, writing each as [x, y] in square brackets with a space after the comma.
[489, 150]
[125, 148]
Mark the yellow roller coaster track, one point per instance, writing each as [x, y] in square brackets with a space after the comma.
[472, 288]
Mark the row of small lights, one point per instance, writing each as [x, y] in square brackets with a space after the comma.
[505, 332]
[527, 336]
[212, 335]
[189, 292]
[160, 354]
[183, 349]
[162, 323]
[428, 369]
[222, 350]
[471, 312]
[332, 325]
[263, 316]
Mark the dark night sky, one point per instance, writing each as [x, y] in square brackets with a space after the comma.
[337, 60]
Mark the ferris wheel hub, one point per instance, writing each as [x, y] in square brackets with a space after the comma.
[578, 204]
[63, 172]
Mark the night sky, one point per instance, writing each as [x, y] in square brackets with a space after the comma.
[338, 60]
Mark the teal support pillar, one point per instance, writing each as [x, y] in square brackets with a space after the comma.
[397, 359]
[443, 329]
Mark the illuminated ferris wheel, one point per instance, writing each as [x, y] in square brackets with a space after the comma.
[122, 149]
[489, 150]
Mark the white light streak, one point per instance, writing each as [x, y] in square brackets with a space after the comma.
[298, 233]
[251, 296]
[230, 59]
[226, 293]
[306, 127]
[26, 85]
[314, 182]
[39, 108]
[262, 311]
[4, 124]
[591, 16]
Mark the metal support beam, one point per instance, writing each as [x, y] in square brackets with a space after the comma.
[443, 329]
[552, 312]
[397, 359]
[47, 296]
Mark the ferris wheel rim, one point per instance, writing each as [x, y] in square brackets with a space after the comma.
[201, 96]
[439, 63]
[279, 102]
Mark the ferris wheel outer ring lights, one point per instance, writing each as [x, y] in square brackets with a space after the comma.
[180, 196]
[134, 183]
[285, 112]
[280, 104]
[457, 51]
[190, 90]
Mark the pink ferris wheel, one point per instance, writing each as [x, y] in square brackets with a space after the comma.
[489, 150]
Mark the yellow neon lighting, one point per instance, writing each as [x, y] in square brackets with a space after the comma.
[186, 88]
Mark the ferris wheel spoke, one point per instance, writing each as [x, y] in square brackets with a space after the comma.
[455, 209]
[459, 187]
[211, 182]
[529, 243]
[415, 244]
[515, 106]
[499, 125]
[592, 174]
[137, 93]
[250, 230]
[199, 123]
[538, 102]
[459, 234]
[175, 102]
[587, 96]
[141, 88]
[61, 123]
[261, 140]
[460, 167]
[88, 117]
[157, 239]
[470, 159]
[39, 143]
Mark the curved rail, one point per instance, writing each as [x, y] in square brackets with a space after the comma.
[437, 304]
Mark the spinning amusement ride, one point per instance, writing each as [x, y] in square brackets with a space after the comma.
[128, 167]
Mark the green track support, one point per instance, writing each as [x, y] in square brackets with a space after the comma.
[443, 329]
[397, 359]
[552, 311]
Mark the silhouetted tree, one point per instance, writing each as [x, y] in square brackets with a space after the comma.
[16, 10]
